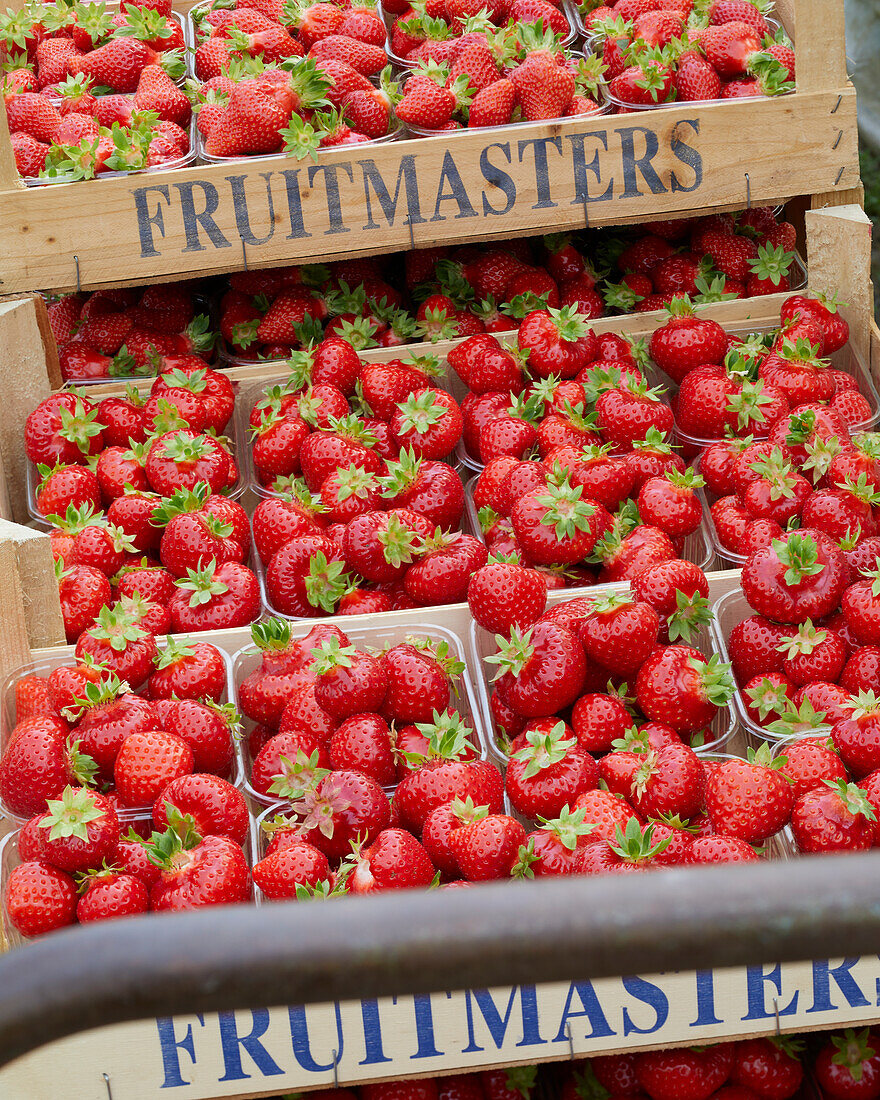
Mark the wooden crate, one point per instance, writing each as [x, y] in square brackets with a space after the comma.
[205, 1057]
[407, 194]
[838, 250]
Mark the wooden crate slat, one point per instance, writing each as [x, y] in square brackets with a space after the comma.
[214, 218]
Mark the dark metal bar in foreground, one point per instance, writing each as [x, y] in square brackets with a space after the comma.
[415, 942]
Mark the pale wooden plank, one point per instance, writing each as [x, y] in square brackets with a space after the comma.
[42, 228]
[23, 368]
[9, 177]
[820, 43]
[839, 249]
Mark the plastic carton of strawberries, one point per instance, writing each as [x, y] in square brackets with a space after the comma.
[91, 91]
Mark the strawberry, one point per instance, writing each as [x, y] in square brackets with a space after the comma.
[487, 847]
[686, 341]
[215, 806]
[442, 573]
[559, 342]
[363, 742]
[215, 597]
[548, 773]
[682, 688]
[40, 898]
[751, 800]
[146, 764]
[834, 817]
[348, 681]
[684, 1074]
[62, 486]
[344, 806]
[447, 770]
[78, 831]
[117, 64]
[38, 763]
[208, 728]
[290, 872]
[64, 429]
[116, 640]
[196, 872]
[771, 1067]
[800, 575]
[848, 1065]
[192, 670]
[541, 670]
[109, 895]
[503, 595]
[394, 861]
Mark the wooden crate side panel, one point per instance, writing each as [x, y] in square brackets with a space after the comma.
[264, 1051]
[28, 367]
[30, 612]
[839, 249]
[406, 194]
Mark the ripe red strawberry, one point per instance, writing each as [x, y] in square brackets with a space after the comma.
[558, 525]
[79, 830]
[40, 898]
[544, 88]
[487, 847]
[344, 806]
[196, 872]
[619, 633]
[63, 429]
[834, 817]
[542, 670]
[502, 595]
[771, 1067]
[347, 680]
[752, 799]
[146, 763]
[685, 1074]
[801, 575]
[548, 773]
[686, 341]
[292, 871]
[394, 861]
[683, 689]
[109, 894]
[215, 806]
[117, 641]
[191, 670]
[117, 64]
[207, 728]
[64, 486]
[559, 342]
[848, 1065]
[39, 763]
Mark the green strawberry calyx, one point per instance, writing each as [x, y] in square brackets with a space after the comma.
[802, 642]
[636, 843]
[566, 512]
[271, 635]
[804, 719]
[800, 555]
[544, 750]
[716, 679]
[767, 698]
[203, 584]
[326, 582]
[514, 652]
[853, 798]
[297, 775]
[71, 814]
[853, 1049]
[569, 826]
[449, 737]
